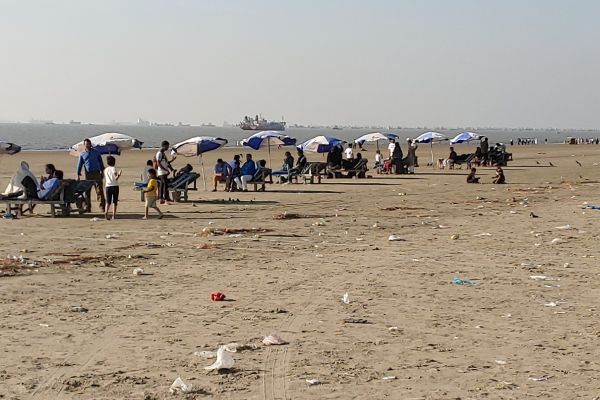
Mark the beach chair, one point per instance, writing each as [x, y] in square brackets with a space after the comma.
[314, 170]
[357, 170]
[67, 192]
[183, 183]
[260, 178]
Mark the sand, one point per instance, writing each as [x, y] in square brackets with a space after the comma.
[508, 336]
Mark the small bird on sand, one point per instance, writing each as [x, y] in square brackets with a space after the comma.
[552, 165]
[578, 163]
[532, 215]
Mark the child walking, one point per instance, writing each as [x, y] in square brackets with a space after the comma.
[111, 179]
[151, 194]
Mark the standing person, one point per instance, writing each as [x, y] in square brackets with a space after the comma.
[246, 173]
[411, 157]
[91, 160]
[397, 158]
[147, 168]
[111, 180]
[151, 194]
[378, 161]
[235, 171]
[391, 147]
[484, 150]
[163, 169]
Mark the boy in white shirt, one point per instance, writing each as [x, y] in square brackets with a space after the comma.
[111, 180]
[349, 152]
[378, 161]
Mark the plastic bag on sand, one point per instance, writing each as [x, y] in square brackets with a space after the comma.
[224, 360]
[346, 298]
[179, 386]
[273, 340]
[393, 238]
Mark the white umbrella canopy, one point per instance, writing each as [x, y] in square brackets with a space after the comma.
[465, 137]
[108, 143]
[375, 136]
[431, 137]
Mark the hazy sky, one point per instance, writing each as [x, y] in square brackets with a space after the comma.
[411, 63]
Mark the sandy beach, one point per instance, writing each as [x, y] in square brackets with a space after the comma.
[76, 323]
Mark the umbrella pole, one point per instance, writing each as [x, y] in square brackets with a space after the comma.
[432, 164]
[203, 173]
[269, 145]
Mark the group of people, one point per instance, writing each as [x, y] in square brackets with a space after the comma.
[24, 184]
[236, 175]
[497, 179]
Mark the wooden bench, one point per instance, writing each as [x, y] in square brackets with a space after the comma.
[261, 180]
[314, 170]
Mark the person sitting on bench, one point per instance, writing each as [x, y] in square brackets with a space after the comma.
[223, 172]
[49, 186]
[16, 188]
[300, 164]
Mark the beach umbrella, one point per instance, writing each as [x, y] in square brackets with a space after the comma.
[431, 137]
[268, 139]
[464, 137]
[375, 137]
[194, 147]
[108, 143]
[9, 148]
[320, 144]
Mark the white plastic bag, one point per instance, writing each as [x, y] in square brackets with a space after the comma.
[346, 298]
[224, 360]
[273, 340]
[179, 386]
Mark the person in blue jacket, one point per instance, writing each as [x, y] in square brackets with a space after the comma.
[91, 160]
[247, 172]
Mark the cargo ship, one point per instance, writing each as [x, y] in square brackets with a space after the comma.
[258, 123]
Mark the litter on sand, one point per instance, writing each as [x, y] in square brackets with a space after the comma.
[217, 296]
[224, 360]
[483, 234]
[539, 379]
[346, 298]
[138, 271]
[112, 236]
[179, 386]
[557, 241]
[273, 340]
[393, 238]
[465, 282]
[312, 382]
[388, 378]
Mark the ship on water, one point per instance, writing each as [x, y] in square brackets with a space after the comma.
[258, 123]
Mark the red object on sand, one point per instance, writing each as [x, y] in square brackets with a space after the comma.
[217, 296]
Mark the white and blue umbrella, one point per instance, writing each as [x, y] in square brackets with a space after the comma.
[431, 137]
[375, 137]
[320, 144]
[196, 146]
[464, 137]
[108, 143]
[9, 148]
[268, 139]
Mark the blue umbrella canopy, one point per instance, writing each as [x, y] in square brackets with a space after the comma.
[9, 148]
[320, 144]
[430, 137]
[197, 145]
[465, 137]
[267, 139]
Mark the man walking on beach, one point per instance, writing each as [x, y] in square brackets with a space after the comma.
[163, 169]
[91, 160]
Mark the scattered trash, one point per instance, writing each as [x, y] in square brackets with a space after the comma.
[532, 215]
[312, 382]
[224, 360]
[112, 236]
[461, 281]
[217, 296]
[355, 321]
[236, 235]
[179, 386]
[273, 340]
[95, 219]
[44, 325]
[557, 241]
[500, 362]
[79, 309]
[388, 378]
[235, 347]
[551, 304]
[206, 354]
[540, 278]
[483, 234]
[393, 329]
[455, 237]
[138, 271]
[564, 227]
[393, 238]
[539, 379]
[346, 298]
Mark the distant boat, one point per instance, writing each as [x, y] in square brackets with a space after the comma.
[181, 124]
[337, 128]
[73, 122]
[259, 123]
[209, 125]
